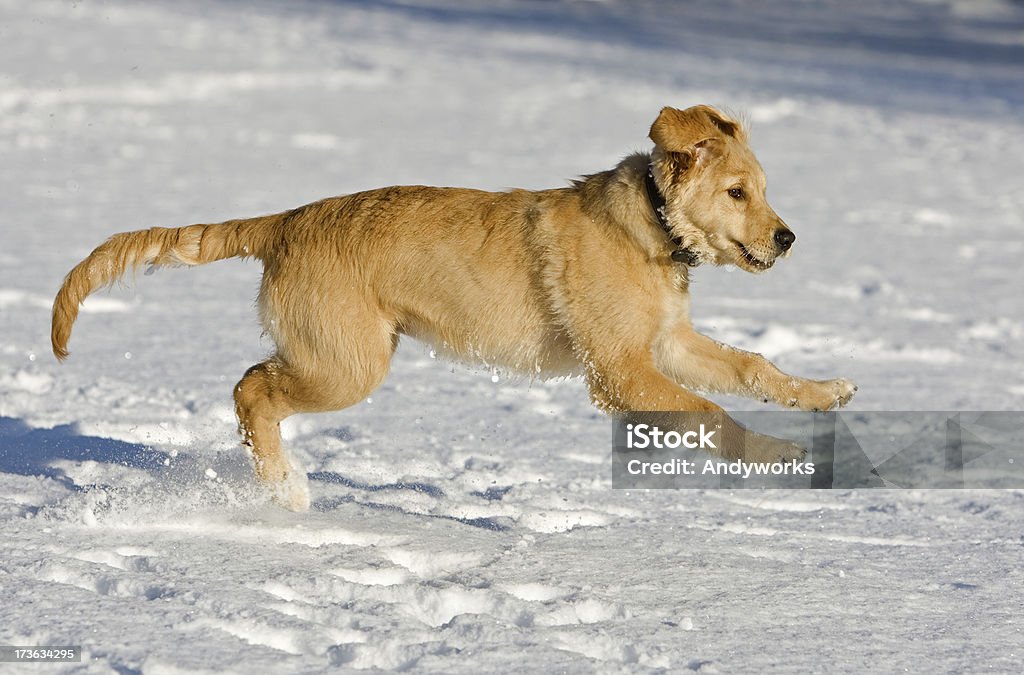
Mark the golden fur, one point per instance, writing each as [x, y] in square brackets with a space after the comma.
[571, 280]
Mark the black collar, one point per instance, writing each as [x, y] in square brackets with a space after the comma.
[657, 200]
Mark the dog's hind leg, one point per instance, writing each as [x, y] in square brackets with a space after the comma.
[262, 400]
[318, 369]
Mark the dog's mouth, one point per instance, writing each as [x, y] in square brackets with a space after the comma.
[751, 261]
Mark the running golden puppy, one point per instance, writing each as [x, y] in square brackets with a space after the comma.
[590, 279]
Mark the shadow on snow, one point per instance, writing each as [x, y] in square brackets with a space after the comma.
[28, 451]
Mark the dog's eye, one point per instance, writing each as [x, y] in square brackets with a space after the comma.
[736, 193]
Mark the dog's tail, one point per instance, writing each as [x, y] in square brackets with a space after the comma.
[191, 245]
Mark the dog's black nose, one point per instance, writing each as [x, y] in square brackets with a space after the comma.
[784, 238]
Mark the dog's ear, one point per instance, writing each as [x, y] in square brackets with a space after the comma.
[694, 134]
[722, 122]
[700, 154]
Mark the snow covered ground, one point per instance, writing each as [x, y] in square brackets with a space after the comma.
[462, 521]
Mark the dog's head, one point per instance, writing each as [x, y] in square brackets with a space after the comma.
[714, 190]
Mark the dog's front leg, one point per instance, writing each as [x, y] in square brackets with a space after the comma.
[632, 383]
[698, 362]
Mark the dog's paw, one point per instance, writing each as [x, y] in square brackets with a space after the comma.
[838, 393]
[844, 391]
[822, 395]
[760, 448]
[792, 452]
[293, 492]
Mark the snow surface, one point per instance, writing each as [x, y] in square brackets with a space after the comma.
[462, 521]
